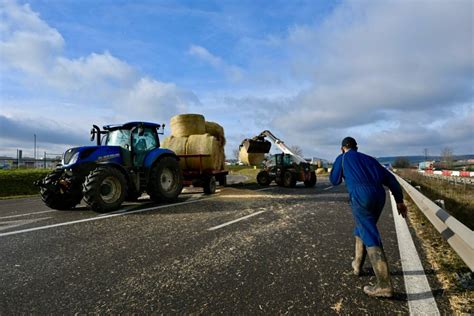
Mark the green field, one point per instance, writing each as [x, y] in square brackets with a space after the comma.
[19, 182]
[247, 171]
[458, 198]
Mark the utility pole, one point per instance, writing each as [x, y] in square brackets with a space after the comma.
[34, 166]
[425, 152]
[44, 160]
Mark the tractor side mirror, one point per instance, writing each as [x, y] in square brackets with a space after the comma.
[92, 134]
[141, 131]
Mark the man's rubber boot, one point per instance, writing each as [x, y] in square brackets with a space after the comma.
[383, 288]
[359, 257]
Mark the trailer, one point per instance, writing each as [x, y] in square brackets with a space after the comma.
[205, 178]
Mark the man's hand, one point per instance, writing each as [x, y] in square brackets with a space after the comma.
[402, 209]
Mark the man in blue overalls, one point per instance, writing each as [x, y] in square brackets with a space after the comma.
[365, 177]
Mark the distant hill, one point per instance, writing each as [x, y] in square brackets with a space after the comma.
[417, 159]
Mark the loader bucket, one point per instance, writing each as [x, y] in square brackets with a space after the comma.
[253, 146]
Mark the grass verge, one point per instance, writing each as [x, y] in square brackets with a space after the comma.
[452, 273]
[246, 171]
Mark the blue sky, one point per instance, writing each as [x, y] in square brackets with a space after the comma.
[396, 75]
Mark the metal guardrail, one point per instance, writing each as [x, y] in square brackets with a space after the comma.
[453, 231]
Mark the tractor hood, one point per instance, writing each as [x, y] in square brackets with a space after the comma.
[96, 154]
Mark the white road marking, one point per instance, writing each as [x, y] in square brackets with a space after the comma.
[328, 188]
[27, 214]
[235, 220]
[21, 222]
[419, 295]
[99, 217]
[120, 212]
[264, 189]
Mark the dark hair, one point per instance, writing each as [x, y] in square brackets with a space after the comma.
[349, 142]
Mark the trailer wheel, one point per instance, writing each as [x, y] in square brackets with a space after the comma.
[56, 197]
[289, 179]
[166, 180]
[223, 181]
[263, 178]
[105, 189]
[312, 181]
[209, 185]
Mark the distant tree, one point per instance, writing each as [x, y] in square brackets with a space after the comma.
[401, 162]
[297, 150]
[447, 157]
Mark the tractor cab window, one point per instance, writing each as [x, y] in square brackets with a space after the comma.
[145, 142]
[287, 160]
[271, 161]
[119, 137]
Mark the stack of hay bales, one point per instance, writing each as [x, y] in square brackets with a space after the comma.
[250, 159]
[192, 135]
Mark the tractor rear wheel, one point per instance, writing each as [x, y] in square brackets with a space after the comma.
[312, 181]
[289, 179]
[60, 197]
[263, 178]
[105, 189]
[166, 180]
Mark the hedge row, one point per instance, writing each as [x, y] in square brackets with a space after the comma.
[20, 182]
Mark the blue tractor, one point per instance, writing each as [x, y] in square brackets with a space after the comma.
[129, 163]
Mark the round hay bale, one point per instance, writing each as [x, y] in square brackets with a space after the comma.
[203, 145]
[221, 158]
[320, 171]
[184, 125]
[216, 130]
[252, 159]
[178, 145]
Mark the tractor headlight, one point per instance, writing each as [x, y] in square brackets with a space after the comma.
[74, 158]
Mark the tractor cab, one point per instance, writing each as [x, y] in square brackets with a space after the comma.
[279, 160]
[136, 140]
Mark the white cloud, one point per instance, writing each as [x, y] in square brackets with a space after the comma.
[152, 98]
[32, 50]
[232, 72]
[379, 66]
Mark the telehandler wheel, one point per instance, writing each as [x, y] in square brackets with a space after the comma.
[289, 179]
[312, 181]
[105, 189]
[57, 197]
[166, 180]
[263, 178]
[209, 185]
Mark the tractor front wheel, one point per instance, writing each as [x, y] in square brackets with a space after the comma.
[60, 193]
[289, 179]
[105, 189]
[166, 180]
[312, 180]
[263, 178]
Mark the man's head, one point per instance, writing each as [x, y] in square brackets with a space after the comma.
[348, 143]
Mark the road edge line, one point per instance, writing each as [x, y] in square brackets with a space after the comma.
[419, 294]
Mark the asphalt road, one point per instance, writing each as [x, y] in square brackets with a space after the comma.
[291, 253]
